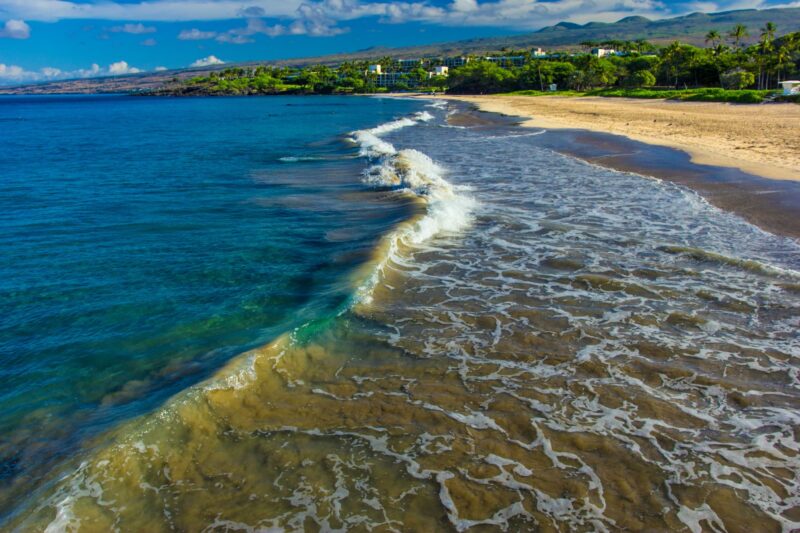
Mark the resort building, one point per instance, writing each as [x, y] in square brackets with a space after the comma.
[409, 64]
[455, 62]
[603, 52]
[538, 52]
[507, 61]
[790, 87]
[439, 71]
[374, 69]
[392, 79]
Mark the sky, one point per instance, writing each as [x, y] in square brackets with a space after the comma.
[43, 40]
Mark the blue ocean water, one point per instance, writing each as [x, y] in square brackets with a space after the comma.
[144, 242]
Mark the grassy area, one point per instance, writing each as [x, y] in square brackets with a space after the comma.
[544, 93]
[688, 95]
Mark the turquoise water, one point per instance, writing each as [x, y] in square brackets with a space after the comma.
[143, 242]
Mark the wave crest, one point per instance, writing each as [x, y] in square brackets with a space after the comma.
[448, 208]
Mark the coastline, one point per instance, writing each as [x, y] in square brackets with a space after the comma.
[764, 138]
[772, 204]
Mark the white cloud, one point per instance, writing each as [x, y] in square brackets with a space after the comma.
[149, 42]
[160, 69]
[13, 74]
[121, 67]
[310, 20]
[233, 38]
[136, 29]
[51, 72]
[322, 17]
[207, 62]
[144, 10]
[465, 6]
[15, 29]
[196, 35]
[93, 71]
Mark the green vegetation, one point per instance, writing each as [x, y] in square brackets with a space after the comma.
[690, 95]
[726, 70]
[347, 78]
[709, 94]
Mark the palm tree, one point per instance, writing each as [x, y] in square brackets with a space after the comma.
[387, 63]
[738, 34]
[783, 57]
[714, 38]
[765, 47]
[768, 31]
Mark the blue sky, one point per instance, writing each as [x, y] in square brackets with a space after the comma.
[52, 39]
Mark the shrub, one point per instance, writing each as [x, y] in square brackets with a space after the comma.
[737, 78]
[640, 78]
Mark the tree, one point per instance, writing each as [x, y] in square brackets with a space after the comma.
[765, 49]
[679, 62]
[738, 79]
[738, 34]
[641, 78]
[418, 76]
[783, 57]
[481, 77]
[593, 72]
[387, 64]
[308, 79]
[713, 38]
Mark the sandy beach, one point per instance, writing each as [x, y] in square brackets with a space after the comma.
[761, 139]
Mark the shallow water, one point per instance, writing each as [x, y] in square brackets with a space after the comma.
[548, 345]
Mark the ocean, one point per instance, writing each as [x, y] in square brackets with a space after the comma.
[342, 313]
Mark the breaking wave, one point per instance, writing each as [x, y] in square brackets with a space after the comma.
[448, 208]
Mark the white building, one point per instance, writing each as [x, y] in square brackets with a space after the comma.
[603, 52]
[392, 79]
[538, 52]
[410, 64]
[455, 62]
[507, 61]
[439, 71]
[790, 87]
[374, 69]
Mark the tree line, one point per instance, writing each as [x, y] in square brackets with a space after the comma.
[726, 62]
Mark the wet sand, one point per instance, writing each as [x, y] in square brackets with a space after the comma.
[756, 138]
[773, 205]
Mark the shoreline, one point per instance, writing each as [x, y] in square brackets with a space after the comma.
[769, 203]
[710, 132]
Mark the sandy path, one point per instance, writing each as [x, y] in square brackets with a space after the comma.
[762, 139]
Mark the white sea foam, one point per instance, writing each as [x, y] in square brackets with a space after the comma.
[297, 158]
[449, 208]
[65, 519]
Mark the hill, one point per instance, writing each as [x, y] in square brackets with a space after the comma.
[688, 28]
